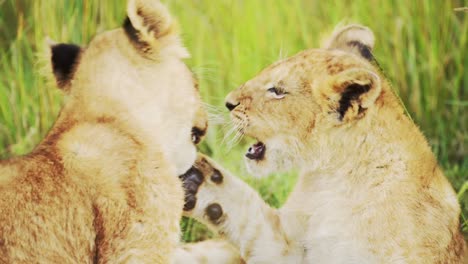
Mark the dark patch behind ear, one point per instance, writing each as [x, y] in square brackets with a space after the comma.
[366, 52]
[131, 32]
[350, 94]
[64, 61]
[363, 49]
[134, 35]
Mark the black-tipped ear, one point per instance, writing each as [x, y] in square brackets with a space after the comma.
[64, 59]
[362, 49]
[149, 20]
[350, 93]
[150, 27]
[357, 90]
[355, 39]
[350, 97]
[131, 32]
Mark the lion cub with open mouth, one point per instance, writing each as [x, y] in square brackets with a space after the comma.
[370, 189]
[102, 187]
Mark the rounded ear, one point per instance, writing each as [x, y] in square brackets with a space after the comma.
[64, 59]
[350, 93]
[149, 17]
[356, 39]
[150, 26]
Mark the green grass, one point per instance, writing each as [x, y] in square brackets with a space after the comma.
[421, 46]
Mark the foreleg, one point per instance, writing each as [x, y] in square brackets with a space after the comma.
[235, 210]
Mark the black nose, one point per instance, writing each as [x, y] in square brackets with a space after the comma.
[231, 106]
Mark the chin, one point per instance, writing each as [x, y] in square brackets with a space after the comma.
[259, 169]
[273, 160]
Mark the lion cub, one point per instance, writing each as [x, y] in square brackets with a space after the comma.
[370, 189]
[102, 187]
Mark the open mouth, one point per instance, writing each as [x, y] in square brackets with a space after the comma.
[256, 151]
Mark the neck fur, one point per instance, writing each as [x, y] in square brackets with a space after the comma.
[385, 143]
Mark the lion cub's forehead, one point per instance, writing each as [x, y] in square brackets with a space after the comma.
[308, 65]
[292, 69]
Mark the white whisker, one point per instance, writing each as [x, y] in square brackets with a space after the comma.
[232, 127]
[215, 115]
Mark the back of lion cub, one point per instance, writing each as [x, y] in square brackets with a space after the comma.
[102, 186]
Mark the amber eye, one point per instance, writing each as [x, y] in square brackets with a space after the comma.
[277, 92]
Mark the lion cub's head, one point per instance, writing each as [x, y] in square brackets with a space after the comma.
[297, 103]
[135, 75]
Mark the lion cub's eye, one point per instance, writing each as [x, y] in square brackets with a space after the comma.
[277, 93]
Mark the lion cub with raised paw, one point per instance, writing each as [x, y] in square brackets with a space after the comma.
[102, 187]
[370, 189]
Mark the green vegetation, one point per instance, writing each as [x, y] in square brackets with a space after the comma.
[421, 46]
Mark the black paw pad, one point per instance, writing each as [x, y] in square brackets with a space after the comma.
[214, 212]
[217, 177]
[190, 202]
[190, 187]
[193, 175]
[192, 180]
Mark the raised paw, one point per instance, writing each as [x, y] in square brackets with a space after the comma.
[204, 188]
[228, 206]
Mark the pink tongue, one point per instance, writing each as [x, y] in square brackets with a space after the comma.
[257, 147]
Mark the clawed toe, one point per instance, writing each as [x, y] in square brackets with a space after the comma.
[192, 180]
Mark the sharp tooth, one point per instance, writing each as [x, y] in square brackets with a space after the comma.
[251, 150]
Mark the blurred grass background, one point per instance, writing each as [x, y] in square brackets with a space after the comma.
[421, 46]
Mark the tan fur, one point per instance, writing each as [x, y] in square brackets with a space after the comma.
[102, 187]
[208, 252]
[370, 189]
